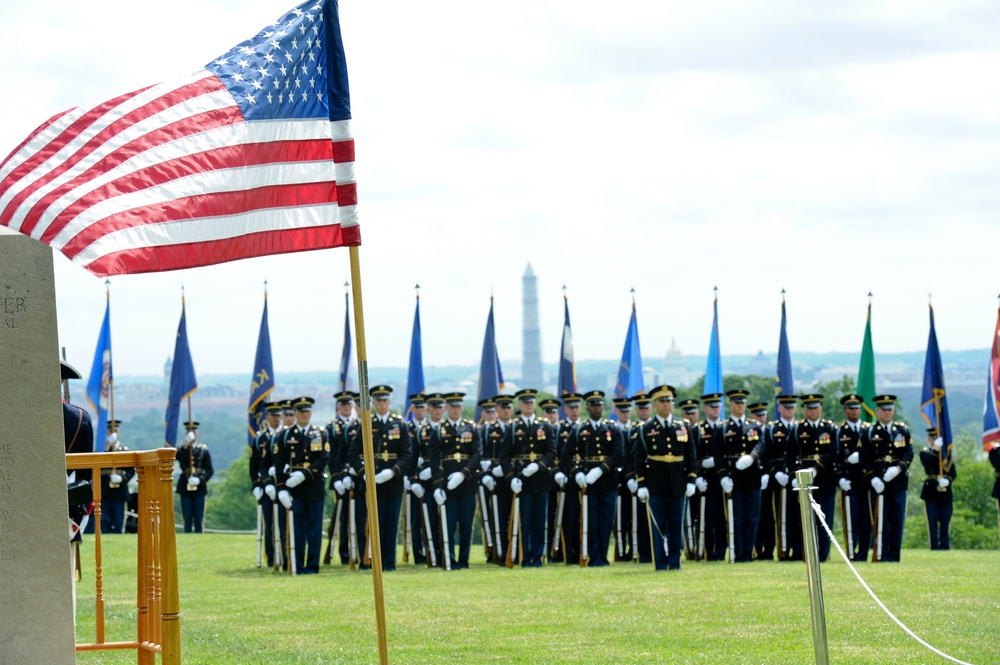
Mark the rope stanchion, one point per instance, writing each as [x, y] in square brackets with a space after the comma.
[822, 520]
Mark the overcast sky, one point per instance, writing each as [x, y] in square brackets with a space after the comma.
[825, 148]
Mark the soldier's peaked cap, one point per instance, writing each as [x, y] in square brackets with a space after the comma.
[304, 403]
[380, 391]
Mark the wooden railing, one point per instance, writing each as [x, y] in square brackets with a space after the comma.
[158, 609]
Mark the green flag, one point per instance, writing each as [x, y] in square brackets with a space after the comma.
[866, 373]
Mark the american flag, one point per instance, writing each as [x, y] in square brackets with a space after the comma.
[991, 411]
[251, 155]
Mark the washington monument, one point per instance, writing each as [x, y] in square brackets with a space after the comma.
[531, 367]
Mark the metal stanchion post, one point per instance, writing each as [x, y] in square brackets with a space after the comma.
[810, 540]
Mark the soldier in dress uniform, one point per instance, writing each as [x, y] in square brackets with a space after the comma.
[709, 491]
[261, 480]
[301, 454]
[628, 486]
[393, 458]
[758, 412]
[936, 492]
[527, 455]
[421, 474]
[776, 492]
[740, 474]
[886, 455]
[622, 410]
[497, 498]
[287, 414]
[566, 546]
[852, 479]
[599, 446]
[455, 452]
[813, 445]
[195, 464]
[550, 410]
[418, 403]
[666, 463]
[339, 470]
[689, 410]
[114, 484]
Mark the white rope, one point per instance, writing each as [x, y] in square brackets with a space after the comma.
[822, 520]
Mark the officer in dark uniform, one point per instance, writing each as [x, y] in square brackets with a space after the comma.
[813, 445]
[599, 446]
[936, 492]
[709, 491]
[455, 452]
[550, 412]
[741, 451]
[490, 437]
[421, 483]
[339, 469]
[628, 486]
[393, 457]
[195, 464]
[527, 455]
[886, 455]
[689, 410]
[565, 548]
[774, 492]
[261, 465]
[758, 412]
[665, 463]
[114, 484]
[852, 478]
[301, 454]
[418, 403]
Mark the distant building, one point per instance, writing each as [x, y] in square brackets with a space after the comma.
[761, 365]
[674, 372]
[531, 363]
[167, 367]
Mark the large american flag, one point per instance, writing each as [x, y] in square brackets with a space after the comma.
[251, 155]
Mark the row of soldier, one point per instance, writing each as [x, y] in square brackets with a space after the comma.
[553, 489]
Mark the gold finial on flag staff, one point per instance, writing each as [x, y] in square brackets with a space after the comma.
[265, 289]
[564, 292]
[782, 296]
[417, 288]
[929, 298]
[632, 291]
[869, 298]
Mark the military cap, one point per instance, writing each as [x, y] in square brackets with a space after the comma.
[380, 391]
[435, 399]
[689, 405]
[455, 399]
[852, 400]
[504, 400]
[417, 400]
[595, 396]
[933, 431]
[272, 407]
[758, 408]
[526, 395]
[114, 424]
[487, 404]
[737, 395]
[712, 399]
[191, 425]
[551, 405]
[623, 403]
[344, 396]
[642, 399]
[286, 407]
[67, 371]
[885, 401]
[662, 391]
[811, 400]
[788, 399]
[572, 399]
[303, 403]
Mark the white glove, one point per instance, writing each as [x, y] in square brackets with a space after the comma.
[594, 475]
[189, 437]
[115, 478]
[296, 479]
[270, 492]
[516, 485]
[455, 479]
[285, 498]
[484, 464]
[258, 493]
[417, 489]
[133, 485]
[530, 470]
[938, 442]
[338, 487]
[764, 480]
[643, 494]
[348, 483]
[112, 438]
[689, 490]
[384, 476]
[560, 478]
[727, 484]
[853, 458]
[194, 480]
[781, 477]
[71, 477]
[890, 473]
[795, 483]
[489, 483]
[633, 486]
[425, 473]
[708, 463]
[498, 471]
[406, 484]
[845, 484]
[943, 482]
[701, 484]
[440, 497]
[581, 479]
[744, 462]
[878, 485]
[270, 471]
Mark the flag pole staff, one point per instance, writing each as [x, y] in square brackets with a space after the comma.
[369, 457]
[111, 378]
[937, 409]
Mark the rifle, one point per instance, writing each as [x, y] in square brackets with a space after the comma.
[290, 530]
[584, 554]
[635, 529]
[652, 546]
[732, 527]
[445, 545]
[498, 549]
[513, 533]
[688, 532]
[619, 538]
[484, 520]
[260, 532]
[783, 527]
[428, 536]
[879, 516]
[276, 536]
[352, 530]
[845, 515]
[702, 554]
[333, 530]
[407, 530]
[559, 538]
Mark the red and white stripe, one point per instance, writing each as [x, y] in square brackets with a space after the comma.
[172, 176]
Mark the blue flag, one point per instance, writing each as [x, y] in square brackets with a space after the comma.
[262, 381]
[182, 380]
[567, 366]
[934, 403]
[713, 372]
[630, 381]
[785, 384]
[415, 377]
[345, 354]
[99, 386]
[490, 376]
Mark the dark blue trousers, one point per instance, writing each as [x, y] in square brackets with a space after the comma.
[571, 527]
[461, 511]
[600, 517]
[388, 528]
[667, 513]
[892, 525]
[746, 514]
[533, 527]
[112, 516]
[938, 521]
[192, 508]
[308, 520]
[416, 529]
[861, 521]
[267, 517]
[716, 524]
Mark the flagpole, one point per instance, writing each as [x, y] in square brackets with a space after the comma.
[111, 377]
[937, 406]
[369, 458]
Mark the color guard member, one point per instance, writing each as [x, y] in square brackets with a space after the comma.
[886, 455]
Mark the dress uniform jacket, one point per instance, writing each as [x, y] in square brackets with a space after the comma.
[883, 446]
[337, 460]
[601, 446]
[302, 449]
[707, 444]
[850, 443]
[523, 444]
[261, 459]
[664, 456]
[455, 449]
[815, 446]
[931, 491]
[776, 435]
[195, 462]
[78, 430]
[740, 439]
[393, 450]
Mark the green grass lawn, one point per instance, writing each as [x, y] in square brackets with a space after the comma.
[231, 612]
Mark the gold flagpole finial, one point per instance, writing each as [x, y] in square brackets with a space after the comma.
[347, 287]
[632, 291]
[715, 290]
[265, 289]
[564, 292]
[869, 298]
[782, 296]
[417, 288]
[107, 288]
[929, 298]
